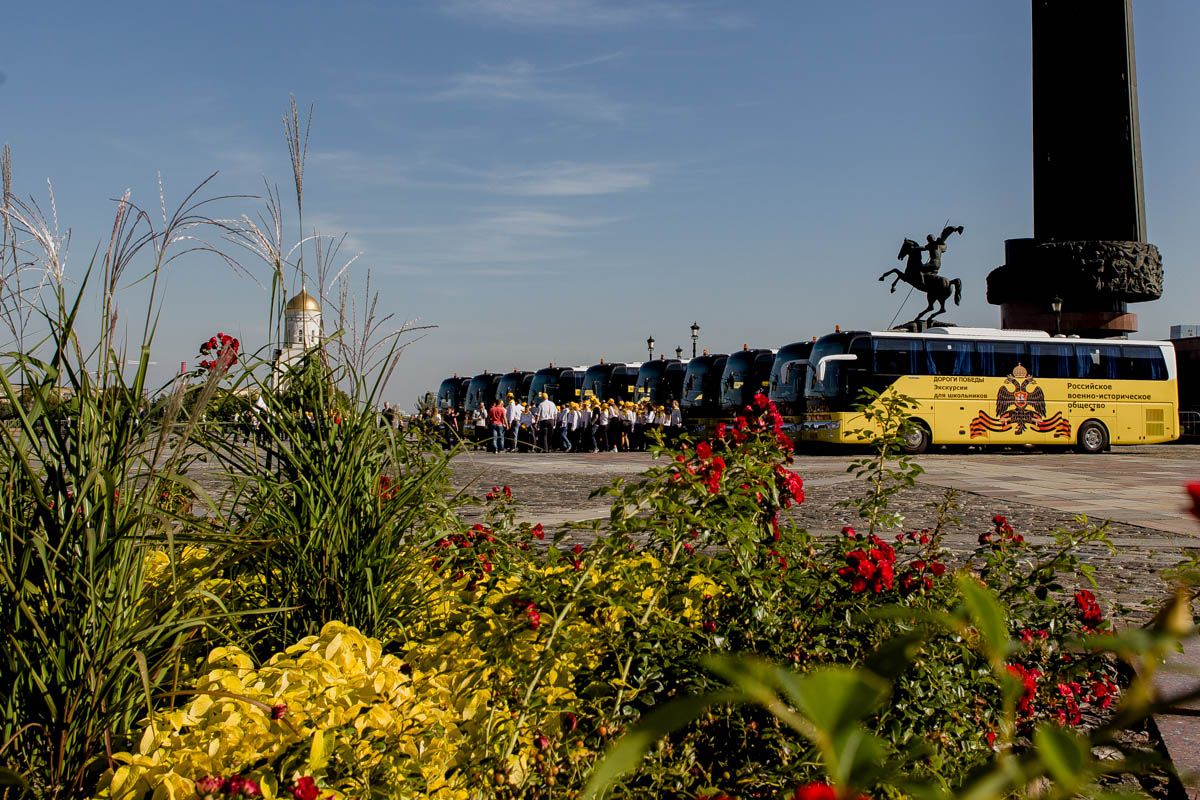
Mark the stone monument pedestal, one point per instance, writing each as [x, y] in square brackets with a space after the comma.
[1094, 279]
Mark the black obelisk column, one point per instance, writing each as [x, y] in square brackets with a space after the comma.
[1089, 218]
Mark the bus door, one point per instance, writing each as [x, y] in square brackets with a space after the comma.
[900, 364]
[955, 394]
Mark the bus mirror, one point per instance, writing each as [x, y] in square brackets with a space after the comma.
[840, 357]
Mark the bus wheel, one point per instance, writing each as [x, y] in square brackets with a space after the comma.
[918, 438]
[1091, 437]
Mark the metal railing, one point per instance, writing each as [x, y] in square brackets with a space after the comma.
[1189, 423]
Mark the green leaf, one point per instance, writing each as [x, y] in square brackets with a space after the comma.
[10, 777]
[987, 615]
[629, 750]
[1064, 754]
[893, 656]
[836, 697]
[754, 677]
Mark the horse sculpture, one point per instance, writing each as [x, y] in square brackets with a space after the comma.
[924, 278]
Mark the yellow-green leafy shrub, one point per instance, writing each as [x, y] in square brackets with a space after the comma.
[331, 706]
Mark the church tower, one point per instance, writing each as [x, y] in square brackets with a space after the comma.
[302, 322]
[301, 333]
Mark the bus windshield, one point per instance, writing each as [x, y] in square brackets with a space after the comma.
[477, 391]
[650, 379]
[831, 385]
[788, 372]
[737, 383]
[694, 380]
[545, 380]
[594, 381]
[447, 395]
[510, 384]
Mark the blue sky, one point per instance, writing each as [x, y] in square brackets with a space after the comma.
[555, 181]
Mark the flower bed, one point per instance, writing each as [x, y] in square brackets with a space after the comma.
[518, 664]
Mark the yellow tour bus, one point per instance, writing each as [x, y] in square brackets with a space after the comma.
[981, 386]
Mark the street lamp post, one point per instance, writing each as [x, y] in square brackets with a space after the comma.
[1056, 307]
[650, 346]
[695, 336]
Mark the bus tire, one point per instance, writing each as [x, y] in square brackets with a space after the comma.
[918, 439]
[1092, 437]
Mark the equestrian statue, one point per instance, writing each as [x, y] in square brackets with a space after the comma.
[924, 276]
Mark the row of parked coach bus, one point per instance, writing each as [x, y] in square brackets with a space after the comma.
[970, 386]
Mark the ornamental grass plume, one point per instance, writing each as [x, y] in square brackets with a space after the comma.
[98, 607]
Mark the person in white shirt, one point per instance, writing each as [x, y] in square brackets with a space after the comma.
[512, 419]
[565, 420]
[587, 433]
[479, 419]
[545, 416]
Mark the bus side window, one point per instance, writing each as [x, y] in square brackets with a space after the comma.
[999, 359]
[1141, 363]
[899, 357]
[1051, 360]
[949, 357]
[1097, 361]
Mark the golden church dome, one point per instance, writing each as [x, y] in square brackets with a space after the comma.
[303, 302]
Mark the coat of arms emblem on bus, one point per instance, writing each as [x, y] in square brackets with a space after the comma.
[1020, 405]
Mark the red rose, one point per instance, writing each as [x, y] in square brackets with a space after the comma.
[814, 791]
[1193, 490]
[304, 789]
[210, 784]
[1089, 610]
[238, 786]
[538, 532]
[704, 451]
[1103, 693]
[1028, 678]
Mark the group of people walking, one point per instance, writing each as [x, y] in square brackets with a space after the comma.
[592, 426]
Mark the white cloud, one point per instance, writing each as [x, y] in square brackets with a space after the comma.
[571, 179]
[521, 82]
[534, 223]
[510, 240]
[591, 13]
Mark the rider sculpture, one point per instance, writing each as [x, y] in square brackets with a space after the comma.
[924, 276]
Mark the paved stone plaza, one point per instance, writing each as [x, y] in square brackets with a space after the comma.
[1139, 490]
